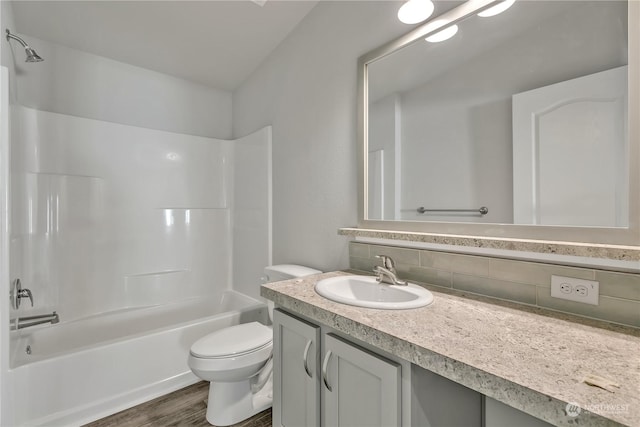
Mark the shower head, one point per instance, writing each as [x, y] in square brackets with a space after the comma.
[32, 56]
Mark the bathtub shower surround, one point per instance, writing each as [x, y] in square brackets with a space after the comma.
[117, 228]
[107, 216]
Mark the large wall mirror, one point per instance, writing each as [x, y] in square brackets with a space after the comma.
[521, 125]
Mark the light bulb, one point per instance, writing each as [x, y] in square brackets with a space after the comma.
[443, 35]
[415, 11]
[499, 8]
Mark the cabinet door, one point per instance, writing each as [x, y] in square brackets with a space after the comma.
[497, 414]
[360, 388]
[439, 402]
[296, 383]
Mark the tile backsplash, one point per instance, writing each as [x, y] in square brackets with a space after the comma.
[520, 281]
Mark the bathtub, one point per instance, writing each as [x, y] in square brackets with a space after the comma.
[77, 372]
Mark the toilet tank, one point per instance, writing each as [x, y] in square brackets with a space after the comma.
[274, 273]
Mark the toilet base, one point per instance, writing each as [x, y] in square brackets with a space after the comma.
[230, 403]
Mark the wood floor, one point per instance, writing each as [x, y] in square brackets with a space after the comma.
[185, 407]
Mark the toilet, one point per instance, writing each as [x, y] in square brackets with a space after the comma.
[237, 361]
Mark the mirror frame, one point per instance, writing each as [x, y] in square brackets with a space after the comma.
[591, 236]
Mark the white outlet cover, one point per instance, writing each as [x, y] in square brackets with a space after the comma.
[593, 289]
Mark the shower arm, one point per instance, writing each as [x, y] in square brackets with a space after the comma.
[12, 36]
[32, 56]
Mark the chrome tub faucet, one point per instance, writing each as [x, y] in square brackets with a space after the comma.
[16, 295]
[28, 321]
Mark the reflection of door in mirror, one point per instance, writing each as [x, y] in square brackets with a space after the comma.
[578, 125]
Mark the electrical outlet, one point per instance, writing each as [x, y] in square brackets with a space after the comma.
[572, 289]
[566, 288]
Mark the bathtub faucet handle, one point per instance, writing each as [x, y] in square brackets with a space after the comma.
[25, 293]
[18, 293]
[21, 293]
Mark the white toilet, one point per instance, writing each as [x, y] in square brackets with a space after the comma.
[237, 362]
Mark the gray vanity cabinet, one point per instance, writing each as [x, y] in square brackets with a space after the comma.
[359, 388]
[497, 414]
[296, 379]
[353, 387]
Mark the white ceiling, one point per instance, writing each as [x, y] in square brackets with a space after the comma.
[215, 43]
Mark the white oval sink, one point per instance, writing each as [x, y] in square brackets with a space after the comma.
[365, 291]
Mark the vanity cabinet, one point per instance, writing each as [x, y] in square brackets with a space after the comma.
[497, 414]
[296, 380]
[353, 386]
[323, 379]
[360, 388]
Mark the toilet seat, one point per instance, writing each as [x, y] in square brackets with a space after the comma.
[233, 342]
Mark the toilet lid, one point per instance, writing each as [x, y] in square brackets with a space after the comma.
[233, 340]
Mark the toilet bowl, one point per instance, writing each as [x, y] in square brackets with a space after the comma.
[237, 362]
[231, 360]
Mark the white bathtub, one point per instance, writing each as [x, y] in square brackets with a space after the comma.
[83, 370]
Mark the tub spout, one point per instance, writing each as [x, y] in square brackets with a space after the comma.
[25, 322]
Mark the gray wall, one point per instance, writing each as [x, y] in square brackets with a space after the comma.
[81, 84]
[6, 57]
[307, 90]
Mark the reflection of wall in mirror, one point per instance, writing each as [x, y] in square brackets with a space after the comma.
[376, 184]
[384, 146]
[457, 128]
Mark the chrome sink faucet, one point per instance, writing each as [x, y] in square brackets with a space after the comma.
[386, 273]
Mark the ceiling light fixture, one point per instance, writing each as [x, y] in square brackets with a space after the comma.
[415, 11]
[495, 10]
[443, 35]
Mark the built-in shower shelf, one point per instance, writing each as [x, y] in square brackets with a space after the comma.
[156, 287]
[158, 273]
[64, 175]
[194, 209]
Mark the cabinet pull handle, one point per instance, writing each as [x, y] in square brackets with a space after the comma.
[304, 359]
[325, 365]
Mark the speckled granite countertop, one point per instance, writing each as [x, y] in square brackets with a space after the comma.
[528, 358]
